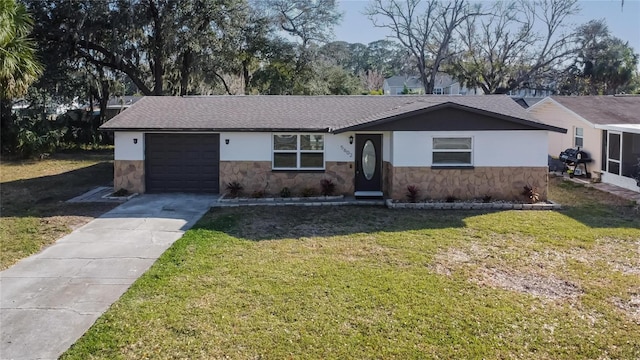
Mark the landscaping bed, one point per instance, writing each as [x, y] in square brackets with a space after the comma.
[473, 205]
[268, 199]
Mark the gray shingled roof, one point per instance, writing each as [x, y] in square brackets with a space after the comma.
[603, 109]
[282, 113]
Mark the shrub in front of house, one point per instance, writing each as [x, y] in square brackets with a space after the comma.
[327, 187]
[412, 193]
[234, 188]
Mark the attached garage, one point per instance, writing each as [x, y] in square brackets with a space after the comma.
[182, 163]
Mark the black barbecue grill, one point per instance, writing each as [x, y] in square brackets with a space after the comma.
[574, 158]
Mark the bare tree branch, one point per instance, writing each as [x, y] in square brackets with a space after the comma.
[425, 28]
[504, 51]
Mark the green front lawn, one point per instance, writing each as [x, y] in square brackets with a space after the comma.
[33, 210]
[362, 282]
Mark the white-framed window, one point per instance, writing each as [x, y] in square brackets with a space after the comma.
[298, 152]
[438, 91]
[452, 151]
[578, 138]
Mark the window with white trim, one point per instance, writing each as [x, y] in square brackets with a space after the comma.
[452, 151]
[578, 139]
[438, 91]
[298, 152]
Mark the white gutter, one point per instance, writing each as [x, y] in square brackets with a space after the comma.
[629, 128]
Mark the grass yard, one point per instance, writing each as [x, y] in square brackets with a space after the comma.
[361, 282]
[32, 194]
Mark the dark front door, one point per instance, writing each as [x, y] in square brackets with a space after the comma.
[182, 162]
[368, 164]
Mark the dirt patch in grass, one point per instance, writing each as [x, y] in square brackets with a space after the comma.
[623, 258]
[630, 307]
[538, 285]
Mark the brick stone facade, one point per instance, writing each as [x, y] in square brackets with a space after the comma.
[258, 175]
[129, 175]
[498, 182]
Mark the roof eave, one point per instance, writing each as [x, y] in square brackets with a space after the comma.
[142, 129]
[447, 104]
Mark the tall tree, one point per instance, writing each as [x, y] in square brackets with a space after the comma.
[337, 53]
[153, 42]
[519, 43]
[425, 28]
[18, 64]
[351, 57]
[276, 75]
[308, 20]
[388, 58]
[311, 23]
[605, 65]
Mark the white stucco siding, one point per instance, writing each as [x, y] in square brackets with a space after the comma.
[549, 112]
[245, 146]
[510, 148]
[490, 148]
[125, 148]
[411, 148]
[337, 147]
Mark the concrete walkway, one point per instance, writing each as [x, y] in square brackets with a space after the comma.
[618, 191]
[611, 189]
[50, 299]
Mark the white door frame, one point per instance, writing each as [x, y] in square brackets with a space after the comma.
[619, 161]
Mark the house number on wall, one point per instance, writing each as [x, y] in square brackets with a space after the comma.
[346, 151]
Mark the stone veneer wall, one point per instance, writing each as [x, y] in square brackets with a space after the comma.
[387, 178]
[128, 175]
[255, 175]
[504, 183]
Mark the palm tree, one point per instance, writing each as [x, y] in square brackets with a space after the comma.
[18, 65]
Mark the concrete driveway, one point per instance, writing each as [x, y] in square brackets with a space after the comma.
[50, 299]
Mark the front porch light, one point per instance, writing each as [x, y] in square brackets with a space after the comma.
[351, 140]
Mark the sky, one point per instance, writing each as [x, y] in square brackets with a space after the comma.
[623, 22]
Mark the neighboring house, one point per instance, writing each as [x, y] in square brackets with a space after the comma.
[118, 104]
[443, 85]
[607, 127]
[52, 110]
[115, 105]
[369, 146]
[395, 85]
